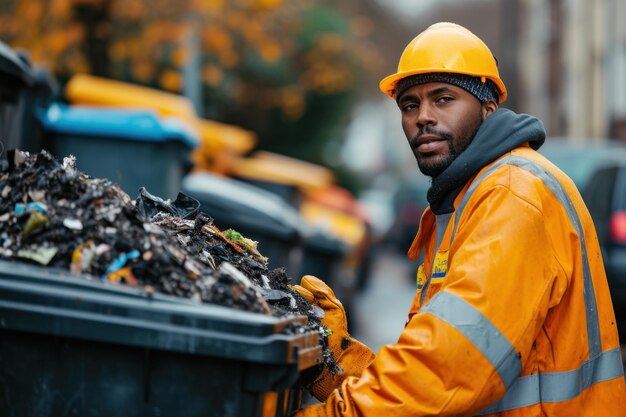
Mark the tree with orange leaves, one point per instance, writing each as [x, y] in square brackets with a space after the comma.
[286, 70]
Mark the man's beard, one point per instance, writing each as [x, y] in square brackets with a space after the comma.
[435, 169]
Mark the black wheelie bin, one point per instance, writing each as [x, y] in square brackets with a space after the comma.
[77, 347]
[24, 90]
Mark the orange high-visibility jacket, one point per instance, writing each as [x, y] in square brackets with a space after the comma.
[512, 315]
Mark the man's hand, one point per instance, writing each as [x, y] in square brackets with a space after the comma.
[351, 355]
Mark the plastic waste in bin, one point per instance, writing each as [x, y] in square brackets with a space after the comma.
[23, 89]
[69, 346]
[253, 212]
[132, 147]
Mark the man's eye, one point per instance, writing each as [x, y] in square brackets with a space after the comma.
[409, 107]
[444, 99]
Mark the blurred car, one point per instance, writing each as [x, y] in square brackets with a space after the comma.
[580, 159]
[599, 171]
[605, 196]
[409, 203]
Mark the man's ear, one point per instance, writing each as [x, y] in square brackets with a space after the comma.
[488, 107]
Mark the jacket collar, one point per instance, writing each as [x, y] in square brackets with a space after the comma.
[499, 133]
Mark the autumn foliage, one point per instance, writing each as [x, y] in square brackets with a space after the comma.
[265, 54]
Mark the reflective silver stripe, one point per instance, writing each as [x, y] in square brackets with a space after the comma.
[559, 386]
[479, 330]
[441, 222]
[602, 366]
[593, 327]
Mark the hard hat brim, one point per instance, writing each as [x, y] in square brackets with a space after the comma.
[388, 84]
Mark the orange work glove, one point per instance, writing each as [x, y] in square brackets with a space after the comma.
[351, 355]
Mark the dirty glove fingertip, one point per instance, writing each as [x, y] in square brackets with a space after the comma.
[317, 286]
[304, 292]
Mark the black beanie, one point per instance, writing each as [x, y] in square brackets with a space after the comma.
[483, 91]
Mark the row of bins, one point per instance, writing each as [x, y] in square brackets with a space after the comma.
[135, 148]
[132, 147]
[71, 346]
[139, 147]
[264, 216]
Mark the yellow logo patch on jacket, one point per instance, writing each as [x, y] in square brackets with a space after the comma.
[420, 278]
[440, 267]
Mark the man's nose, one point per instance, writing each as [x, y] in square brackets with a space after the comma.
[425, 115]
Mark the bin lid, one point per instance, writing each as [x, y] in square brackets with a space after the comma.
[338, 198]
[57, 303]
[322, 241]
[116, 123]
[217, 136]
[98, 91]
[276, 168]
[350, 229]
[11, 64]
[237, 203]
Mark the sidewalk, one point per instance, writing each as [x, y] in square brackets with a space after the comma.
[381, 309]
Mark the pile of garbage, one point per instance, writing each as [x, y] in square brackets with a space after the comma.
[56, 216]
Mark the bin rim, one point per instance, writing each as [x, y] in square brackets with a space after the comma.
[13, 65]
[122, 123]
[39, 304]
[283, 170]
[65, 280]
[323, 241]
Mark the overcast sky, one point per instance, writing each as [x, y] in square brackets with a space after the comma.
[407, 10]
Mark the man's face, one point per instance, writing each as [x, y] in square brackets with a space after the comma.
[439, 121]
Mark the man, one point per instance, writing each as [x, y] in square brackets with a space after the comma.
[512, 315]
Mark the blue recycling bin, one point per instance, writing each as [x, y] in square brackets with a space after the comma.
[132, 147]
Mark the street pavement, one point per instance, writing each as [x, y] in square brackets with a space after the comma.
[381, 309]
[379, 312]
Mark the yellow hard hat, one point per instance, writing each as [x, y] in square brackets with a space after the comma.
[446, 47]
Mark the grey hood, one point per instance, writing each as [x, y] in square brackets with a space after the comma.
[499, 133]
